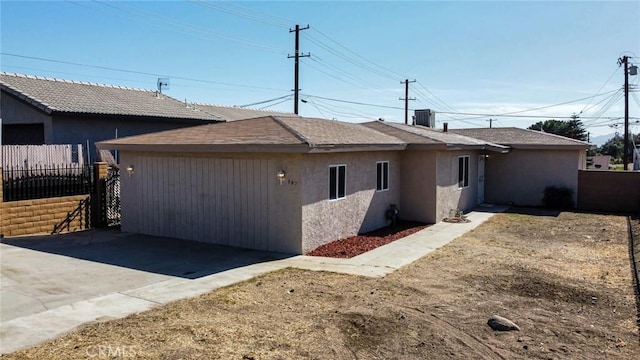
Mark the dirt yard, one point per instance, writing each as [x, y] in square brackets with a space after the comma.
[564, 278]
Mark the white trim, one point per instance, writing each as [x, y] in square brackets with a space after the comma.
[388, 176]
[465, 171]
[337, 166]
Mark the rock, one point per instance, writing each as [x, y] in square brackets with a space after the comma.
[502, 324]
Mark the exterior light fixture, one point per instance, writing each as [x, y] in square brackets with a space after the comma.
[281, 175]
[130, 170]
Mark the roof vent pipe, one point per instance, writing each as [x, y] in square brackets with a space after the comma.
[445, 127]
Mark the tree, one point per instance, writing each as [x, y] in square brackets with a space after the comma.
[573, 128]
[615, 147]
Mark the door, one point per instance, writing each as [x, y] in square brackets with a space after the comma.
[481, 160]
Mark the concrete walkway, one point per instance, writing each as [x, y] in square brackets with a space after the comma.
[31, 329]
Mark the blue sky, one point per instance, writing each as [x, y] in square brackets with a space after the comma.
[467, 57]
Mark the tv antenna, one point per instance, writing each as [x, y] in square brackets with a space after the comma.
[163, 83]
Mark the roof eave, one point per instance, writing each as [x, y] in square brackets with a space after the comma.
[28, 99]
[84, 114]
[205, 148]
[550, 147]
[487, 147]
[355, 147]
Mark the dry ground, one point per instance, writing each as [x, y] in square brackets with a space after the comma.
[564, 278]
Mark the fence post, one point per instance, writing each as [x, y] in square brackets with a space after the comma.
[98, 215]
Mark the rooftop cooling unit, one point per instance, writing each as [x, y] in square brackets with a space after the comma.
[426, 117]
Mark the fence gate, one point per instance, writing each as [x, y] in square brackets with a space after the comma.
[111, 198]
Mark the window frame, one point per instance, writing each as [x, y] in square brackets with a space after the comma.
[336, 196]
[463, 171]
[382, 176]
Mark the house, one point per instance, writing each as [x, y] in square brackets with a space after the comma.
[535, 160]
[36, 111]
[283, 183]
[291, 184]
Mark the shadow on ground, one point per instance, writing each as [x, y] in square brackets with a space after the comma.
[173, 257]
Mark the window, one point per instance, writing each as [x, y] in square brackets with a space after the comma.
[337, 181]
[463, 172]
[382, 174]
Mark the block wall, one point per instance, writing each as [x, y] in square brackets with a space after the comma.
[47, 216]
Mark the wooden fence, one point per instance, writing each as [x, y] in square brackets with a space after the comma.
[30, 156]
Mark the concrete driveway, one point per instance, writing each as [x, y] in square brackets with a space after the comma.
[54, 276]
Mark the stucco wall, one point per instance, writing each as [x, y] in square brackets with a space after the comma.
[363, 209]
[228, 199]
[520, 176]
[418, 184]
[74, 130]
[15, 111]
[449, 195]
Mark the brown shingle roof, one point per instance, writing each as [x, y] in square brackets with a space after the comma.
[322, 132]
[420, 135]
[230, 113]
[64, 96]
[521, 138]
[270, 133]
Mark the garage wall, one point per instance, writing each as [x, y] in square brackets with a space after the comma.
[228, 199]
[520, 176]
[362, 210]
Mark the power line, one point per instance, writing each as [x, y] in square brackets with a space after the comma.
[238, 13]
[598, 92]
[393, 73]
[274, 104]
[138, 72]
[157, 20]
[354, 102]
[266, 101]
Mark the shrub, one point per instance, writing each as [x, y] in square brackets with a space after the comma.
[558, 197]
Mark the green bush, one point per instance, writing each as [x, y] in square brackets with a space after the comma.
[558, 197]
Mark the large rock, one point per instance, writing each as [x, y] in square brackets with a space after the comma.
[502, 324]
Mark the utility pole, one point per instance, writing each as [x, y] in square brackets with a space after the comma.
[297, 57]
[490, 123]
[625, 60]
[406, 99]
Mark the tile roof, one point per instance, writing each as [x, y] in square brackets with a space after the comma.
[521, 138]
[269, 133]
[421, 135]
[64, 96]
[231, 113]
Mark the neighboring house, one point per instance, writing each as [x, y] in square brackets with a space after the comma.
[36, 111]
[535, 160]
[291, 184]
[599, 162]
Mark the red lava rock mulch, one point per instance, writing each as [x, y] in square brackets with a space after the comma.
[356, 245]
